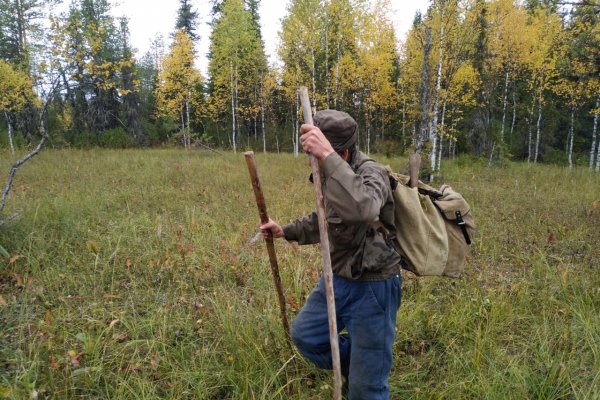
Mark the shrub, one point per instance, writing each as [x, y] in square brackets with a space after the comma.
[116, 138]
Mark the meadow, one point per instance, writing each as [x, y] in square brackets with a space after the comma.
[132, 275]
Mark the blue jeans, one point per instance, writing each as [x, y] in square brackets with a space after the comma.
[367, 310]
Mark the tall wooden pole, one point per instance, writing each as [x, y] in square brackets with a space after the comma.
[264, 218]
[326, 256]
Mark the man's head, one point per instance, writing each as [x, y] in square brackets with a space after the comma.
[338, 127]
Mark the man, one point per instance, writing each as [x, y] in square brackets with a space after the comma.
[365, 263]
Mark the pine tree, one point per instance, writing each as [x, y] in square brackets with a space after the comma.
[187, 19]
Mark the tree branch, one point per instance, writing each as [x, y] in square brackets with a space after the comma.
[13, 170]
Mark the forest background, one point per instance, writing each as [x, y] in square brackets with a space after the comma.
[497, 79]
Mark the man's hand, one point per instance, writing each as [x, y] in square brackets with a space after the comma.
[314, 142]
[272, 227]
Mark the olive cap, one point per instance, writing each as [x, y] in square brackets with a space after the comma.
[338, 127]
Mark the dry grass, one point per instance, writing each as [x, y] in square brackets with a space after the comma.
[131, 275]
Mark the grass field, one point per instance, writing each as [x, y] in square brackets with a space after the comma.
[131, 276]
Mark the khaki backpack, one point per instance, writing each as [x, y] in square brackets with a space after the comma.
[434, 227]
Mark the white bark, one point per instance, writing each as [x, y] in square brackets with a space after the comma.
[262, 118]
[232, 106]
[337, 75]
[438, 87]
[594, 134]
[424, 92]
[514, 115]
[598, 158]
[327, 66]
[368, 122]
[237, 102]
[492, 154]
[403, 117]
[23, 160]
[314, 80]
[504, 101]
[10, 133]
[296, 123]
[441, 145]
[571, 134]
[188, 140]
[529, 125]
[538, 129]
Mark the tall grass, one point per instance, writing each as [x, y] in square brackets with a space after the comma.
[132, 276]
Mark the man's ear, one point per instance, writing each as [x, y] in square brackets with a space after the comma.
[345, 154]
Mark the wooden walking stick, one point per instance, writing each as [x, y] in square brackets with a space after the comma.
[326, 256]
[414, 163]
[264, 218]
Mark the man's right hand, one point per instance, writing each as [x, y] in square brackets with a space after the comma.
[271, 227]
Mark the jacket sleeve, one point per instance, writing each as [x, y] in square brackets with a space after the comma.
[304, 230]
[355, 197]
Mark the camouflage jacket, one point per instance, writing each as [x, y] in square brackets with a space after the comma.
[357, 194]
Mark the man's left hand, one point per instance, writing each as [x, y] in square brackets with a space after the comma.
[314, 142]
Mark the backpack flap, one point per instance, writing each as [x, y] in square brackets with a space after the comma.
[420, 231]
[460, 227]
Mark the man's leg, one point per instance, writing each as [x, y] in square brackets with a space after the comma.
[310, 328]
[372, 330]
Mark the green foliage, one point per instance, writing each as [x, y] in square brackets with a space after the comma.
[187, 19]
[116, 138]
[132, 276]
[496, 68]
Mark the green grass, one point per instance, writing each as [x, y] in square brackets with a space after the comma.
[136, 280]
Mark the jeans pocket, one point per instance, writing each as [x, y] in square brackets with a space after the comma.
[376, 295]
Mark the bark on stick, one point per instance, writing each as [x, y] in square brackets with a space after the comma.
[264, 218]
[327, 271]
[414, 163]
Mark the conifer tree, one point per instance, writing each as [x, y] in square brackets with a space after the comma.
[187, 20]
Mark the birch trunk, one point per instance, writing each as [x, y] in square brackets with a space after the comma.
[424, 91]
[538, 128]
[598, 158]
[441, 145]
[403, 118]
[594, 133]
[237, 102]
[514, 115]
[314, 81]
[504, 101]
[10, 133]
[438, 87]
[327, 67]
[262, 121]
[337, 76]
[232, 106]
[529, 125]
[382, 125]
[188, 139]
[296, 138]
[571, 134]
[368, 133]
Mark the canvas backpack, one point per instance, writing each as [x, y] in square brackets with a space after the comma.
[434, 227]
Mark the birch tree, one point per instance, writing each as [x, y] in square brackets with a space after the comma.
[237, 68]
[377, 59]
[541, 60]
[177, 84]
[15, 93]
[300, 35]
